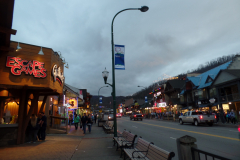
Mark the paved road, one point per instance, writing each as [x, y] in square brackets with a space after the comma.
[218, 140]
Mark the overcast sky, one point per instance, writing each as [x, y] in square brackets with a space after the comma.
[172, 37]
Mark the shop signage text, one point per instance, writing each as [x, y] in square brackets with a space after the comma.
[18, 66]
[57, 74]
[163, 104]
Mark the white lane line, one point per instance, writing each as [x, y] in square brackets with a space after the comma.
[233, 131]
[172, 138]
[134, 126]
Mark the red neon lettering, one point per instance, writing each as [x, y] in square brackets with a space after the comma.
[18, 66]
[10, 61]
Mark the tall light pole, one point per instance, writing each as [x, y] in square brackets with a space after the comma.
[142, 9]
[98, 93]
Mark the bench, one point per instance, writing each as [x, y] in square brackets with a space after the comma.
[108, 127]
[139, 151]
[147, 151]
[127, 142]
[122, 137]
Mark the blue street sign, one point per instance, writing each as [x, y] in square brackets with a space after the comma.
[146, 99]
[100, 100]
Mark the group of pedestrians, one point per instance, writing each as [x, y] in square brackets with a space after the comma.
[84, 121]
[231, 116]
[37, 128]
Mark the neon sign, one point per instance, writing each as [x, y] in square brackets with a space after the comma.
[18, 66]
[57, 74]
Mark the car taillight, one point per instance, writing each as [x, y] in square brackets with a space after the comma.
[239, 128]
[201, 117]
[135, 116]
[215, 117]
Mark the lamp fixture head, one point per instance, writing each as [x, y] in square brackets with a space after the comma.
[18, 47]
[105, 75]
[144, 9]
[41, 52]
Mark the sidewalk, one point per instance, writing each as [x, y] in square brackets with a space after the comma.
[230, 125]
[75, 145]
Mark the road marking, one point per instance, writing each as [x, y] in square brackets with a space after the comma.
[134, 126]
[172, 138]
[235, 139]
[233, 131]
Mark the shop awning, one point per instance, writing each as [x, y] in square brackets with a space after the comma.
[203, 105]
[184, 108]
[208, 105]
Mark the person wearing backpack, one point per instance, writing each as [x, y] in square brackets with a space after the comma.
[76, 121]
[89, 123]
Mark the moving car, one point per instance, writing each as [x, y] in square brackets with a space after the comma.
[110, 117]
[197, 117]
[136, 116]
[118, 115]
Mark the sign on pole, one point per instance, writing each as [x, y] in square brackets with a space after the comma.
[119, 51]
[146, 99]
[100, 100]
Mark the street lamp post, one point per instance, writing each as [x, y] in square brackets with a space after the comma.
[142, 9]
[98, 93]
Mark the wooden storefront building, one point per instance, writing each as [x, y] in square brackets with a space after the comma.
[27, 74]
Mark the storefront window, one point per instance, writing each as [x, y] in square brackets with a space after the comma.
[10, 114]
[181, 98]
[213, 92]
[202, 94]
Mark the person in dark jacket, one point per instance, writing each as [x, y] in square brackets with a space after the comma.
[33, 127]
[43, 126]
[89, 123]
[84, 122]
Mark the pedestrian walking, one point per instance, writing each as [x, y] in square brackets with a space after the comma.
[228, 116]
[33, 127]
[233, 117]
[84, 122]
[76, 121]
[95, 118]
[43, 126]
[89, 123]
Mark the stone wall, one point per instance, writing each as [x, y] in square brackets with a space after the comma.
[8, 136]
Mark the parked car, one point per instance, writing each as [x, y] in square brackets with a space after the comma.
[197, 117]
[118, 115]
[136, 116]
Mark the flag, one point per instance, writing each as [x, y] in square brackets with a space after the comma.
[119, 51]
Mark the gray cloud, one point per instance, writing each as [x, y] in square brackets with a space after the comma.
[171, 38]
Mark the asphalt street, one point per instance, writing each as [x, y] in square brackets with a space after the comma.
[219, 140]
